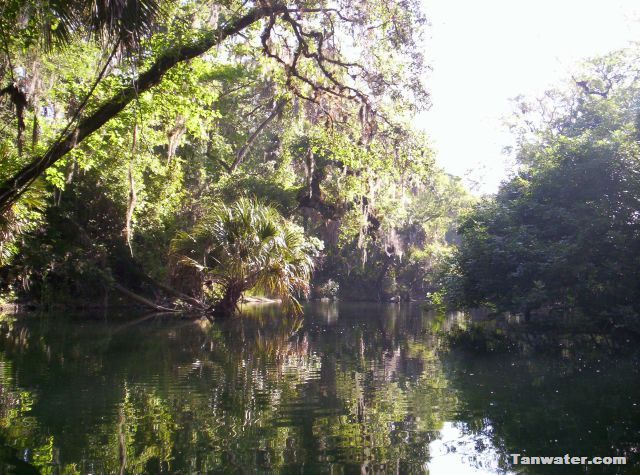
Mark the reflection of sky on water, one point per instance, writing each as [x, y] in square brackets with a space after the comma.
[459, 451]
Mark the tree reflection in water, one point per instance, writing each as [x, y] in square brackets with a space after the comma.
[348, 388]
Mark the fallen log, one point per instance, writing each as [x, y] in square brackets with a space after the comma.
[171, 291]
[141, 299]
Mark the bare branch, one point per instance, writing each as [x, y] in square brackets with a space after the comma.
[242, 153]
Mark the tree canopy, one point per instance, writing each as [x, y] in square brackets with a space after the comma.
[118, 142]
[564, 232]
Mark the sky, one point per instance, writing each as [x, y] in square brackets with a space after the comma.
[458, 451]
[483, 53]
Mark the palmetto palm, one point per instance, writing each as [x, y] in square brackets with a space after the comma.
[248, 245]
[123, 21]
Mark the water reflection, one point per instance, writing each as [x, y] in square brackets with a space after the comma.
[459, 450]
[348, 389]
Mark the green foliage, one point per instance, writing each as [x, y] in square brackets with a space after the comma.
[564, 233]
[56, 23]
[248, 245]
[331, 146]
[328, 290]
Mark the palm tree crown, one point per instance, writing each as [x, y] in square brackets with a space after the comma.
[57, 22]
[248, 245]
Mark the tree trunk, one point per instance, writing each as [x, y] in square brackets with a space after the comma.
[229, 303]
[11, 189]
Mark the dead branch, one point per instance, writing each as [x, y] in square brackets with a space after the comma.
[244, 150]
[140, 299]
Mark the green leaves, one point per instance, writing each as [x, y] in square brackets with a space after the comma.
[248, 245]
[564, 232]
[57, 23]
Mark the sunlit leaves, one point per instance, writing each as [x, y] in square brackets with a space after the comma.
[563, 233]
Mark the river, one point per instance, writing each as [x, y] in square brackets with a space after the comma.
[348, 388]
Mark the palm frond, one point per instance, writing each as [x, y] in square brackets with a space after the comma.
[122, 22]
[250, 244]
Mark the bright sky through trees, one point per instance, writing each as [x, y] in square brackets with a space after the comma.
[484, 53]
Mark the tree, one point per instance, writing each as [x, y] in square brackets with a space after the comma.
[290, 110]
[245, 246]
[302, 39]
[564, 233]
[55, 24]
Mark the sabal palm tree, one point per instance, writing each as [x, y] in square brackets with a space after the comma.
[248, 245]
[56, 22]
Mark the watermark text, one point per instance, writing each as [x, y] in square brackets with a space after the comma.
[566, 459]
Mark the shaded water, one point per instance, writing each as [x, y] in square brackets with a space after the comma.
[349, 388]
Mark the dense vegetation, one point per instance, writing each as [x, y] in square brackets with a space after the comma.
[129, 123]
[247, 246]
[195, 151]
[563, 235]
[185, 155]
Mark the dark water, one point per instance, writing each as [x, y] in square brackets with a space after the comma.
[346, 389]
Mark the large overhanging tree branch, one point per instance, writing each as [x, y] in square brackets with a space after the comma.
[11, 190]
[305, 42]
